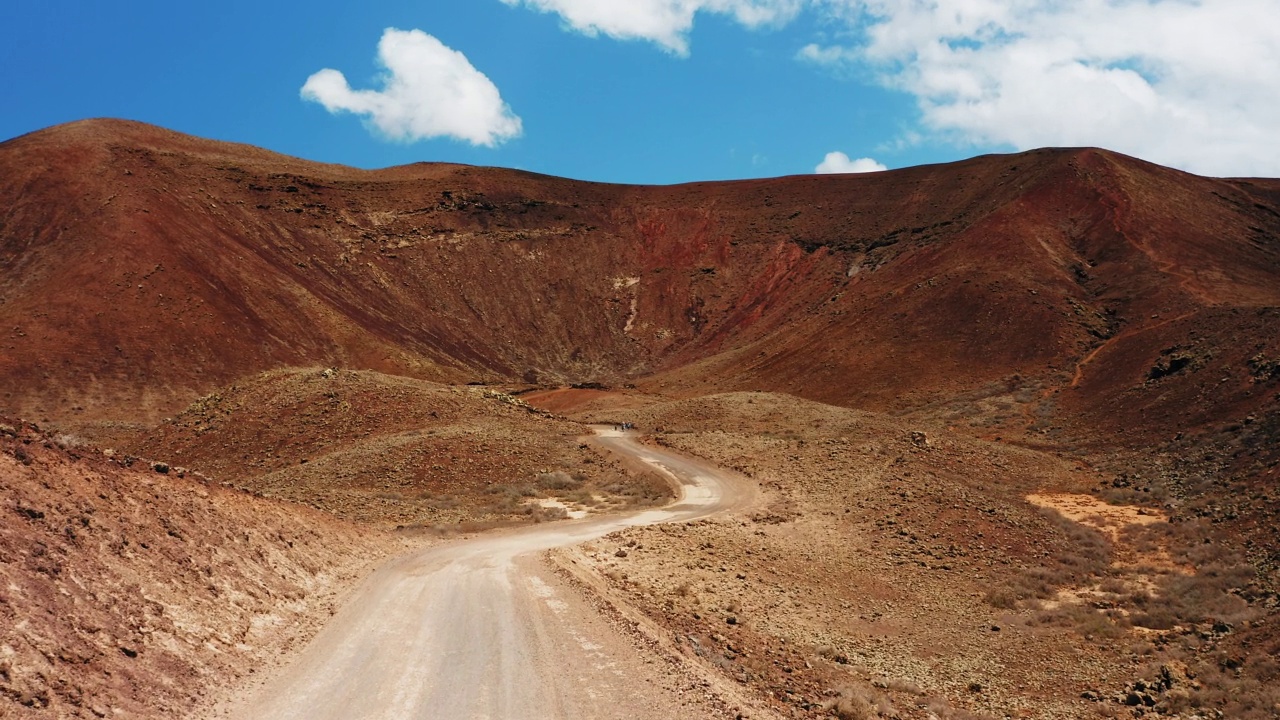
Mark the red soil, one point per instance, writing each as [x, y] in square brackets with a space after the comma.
[1121, 314]
[141, 268]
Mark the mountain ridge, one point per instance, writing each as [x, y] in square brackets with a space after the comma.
[211, 261]
[1038, 392]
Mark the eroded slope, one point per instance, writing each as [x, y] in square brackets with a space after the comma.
[143, 268]
[129, 592]
[381, 449]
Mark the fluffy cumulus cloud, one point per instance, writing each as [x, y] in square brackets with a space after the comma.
[429, 91]
[1189, 83]
[665, 22]
[838, 162]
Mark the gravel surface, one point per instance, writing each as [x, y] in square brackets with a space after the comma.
[480, 628]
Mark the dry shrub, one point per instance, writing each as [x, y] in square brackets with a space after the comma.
[1238, 693]
[644, 488]
[1156, 618]
[1003, 598]
[902, 685]
[1084, 620]
[853, 704]
[1208, 594]
[559, 480]
[856, 702]
[1089, 557]
[940, 708]
[581, 496]
[543, 514]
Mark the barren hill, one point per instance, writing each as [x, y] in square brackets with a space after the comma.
[992, 347]
[1072, 298]
[141, 268]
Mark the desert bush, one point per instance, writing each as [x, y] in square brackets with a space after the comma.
[1155, 618]
[1101, 625]
[1002, 598]
[68, 441]
[1210, 594]
[854, 704]
[1090, 551]
[1114, 586]
[941, 708]
[1088, 556]
[543, 514]
[510, 494]
[559, 480]
[903, 685]
[1267, 668]
[1237, 693]
[643, 489]
[581, 496]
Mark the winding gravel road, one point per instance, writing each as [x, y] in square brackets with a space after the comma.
[480, 628]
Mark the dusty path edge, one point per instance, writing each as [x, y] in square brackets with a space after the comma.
[219, 699]
[728, 699]
[572, 566]
[641, 631]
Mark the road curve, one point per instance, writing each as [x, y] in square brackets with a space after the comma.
[480, 629]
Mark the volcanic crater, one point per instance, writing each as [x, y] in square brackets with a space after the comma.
[948, 382]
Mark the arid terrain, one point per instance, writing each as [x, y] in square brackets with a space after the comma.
[1015, 421]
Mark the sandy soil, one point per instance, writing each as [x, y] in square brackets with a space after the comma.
[894, 569]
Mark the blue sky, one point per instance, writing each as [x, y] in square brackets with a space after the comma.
[663, 91]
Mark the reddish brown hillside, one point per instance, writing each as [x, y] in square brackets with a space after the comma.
[393, 450]
[126, 592]
[1122, 316]
[1092, 251]
[140, 268]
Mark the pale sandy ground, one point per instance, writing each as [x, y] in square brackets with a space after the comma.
[1146, 568]
[482, 628]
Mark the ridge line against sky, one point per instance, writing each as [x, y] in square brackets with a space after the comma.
[670, 90]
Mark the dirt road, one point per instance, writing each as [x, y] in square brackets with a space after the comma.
[480, 628]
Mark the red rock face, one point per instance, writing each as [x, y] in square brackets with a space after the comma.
[140, 268]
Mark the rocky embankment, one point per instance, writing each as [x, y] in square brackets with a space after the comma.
[130, 588]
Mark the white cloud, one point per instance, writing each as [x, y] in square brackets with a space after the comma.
[665, 22]
[1183, 83]
[838, 162]
[430, 91]
[829, 55]
[1190, 83]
